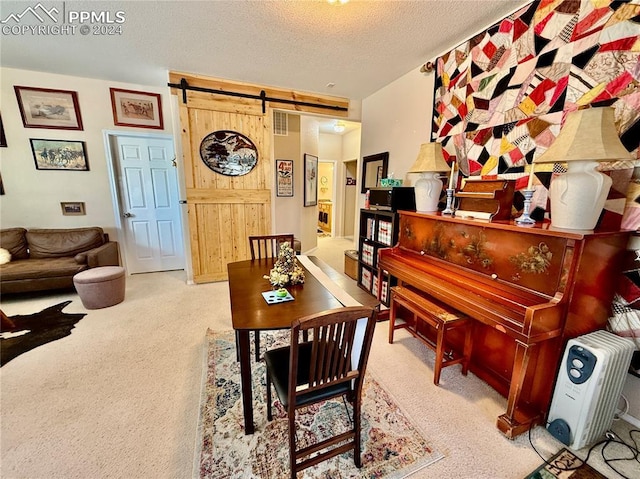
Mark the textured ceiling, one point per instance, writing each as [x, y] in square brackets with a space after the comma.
[301, 45]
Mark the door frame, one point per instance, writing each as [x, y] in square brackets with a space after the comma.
[114, 186]
[334, 197]
[345, 204]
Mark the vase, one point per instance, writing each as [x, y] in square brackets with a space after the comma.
[578, 196]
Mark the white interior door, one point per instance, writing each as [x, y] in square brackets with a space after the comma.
[148, 184]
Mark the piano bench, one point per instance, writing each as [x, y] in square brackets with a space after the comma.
[436, 315]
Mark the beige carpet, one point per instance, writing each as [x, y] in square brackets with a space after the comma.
[119, 397]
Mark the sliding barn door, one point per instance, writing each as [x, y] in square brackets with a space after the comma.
[224, 210]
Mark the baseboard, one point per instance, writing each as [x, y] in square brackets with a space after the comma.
[631, 420]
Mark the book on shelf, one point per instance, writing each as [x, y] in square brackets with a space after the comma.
[384, 232]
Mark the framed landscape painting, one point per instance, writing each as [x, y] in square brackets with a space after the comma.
[136, 108]
[46, 108]
[74, 208]
[59, 155]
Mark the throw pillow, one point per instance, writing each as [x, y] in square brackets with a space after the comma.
[5, 256]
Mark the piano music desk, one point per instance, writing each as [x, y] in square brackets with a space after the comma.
[437, 316]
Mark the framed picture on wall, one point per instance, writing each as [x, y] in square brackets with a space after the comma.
[73, 208]
[59, 154]
[284, 178]
[46, 108]
[310, 180]
[136, 108]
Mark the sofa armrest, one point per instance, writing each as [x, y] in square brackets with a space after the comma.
[105, 255]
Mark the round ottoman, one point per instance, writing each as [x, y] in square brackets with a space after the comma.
[100, 287]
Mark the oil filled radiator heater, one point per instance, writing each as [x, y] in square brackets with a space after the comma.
[590, 380]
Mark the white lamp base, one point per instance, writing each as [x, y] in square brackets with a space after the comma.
[428, 190]
[578, 196]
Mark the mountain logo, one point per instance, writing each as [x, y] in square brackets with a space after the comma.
[38, 11]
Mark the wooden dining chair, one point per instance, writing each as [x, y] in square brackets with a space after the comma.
[331, 364]
[268, 246]
[265, 246]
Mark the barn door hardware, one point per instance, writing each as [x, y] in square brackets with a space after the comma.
[184, 86]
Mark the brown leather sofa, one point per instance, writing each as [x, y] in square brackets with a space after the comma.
[45, 259]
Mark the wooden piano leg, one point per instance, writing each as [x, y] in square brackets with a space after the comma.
[467, 346]
[437, 367]
[510, 425]
[392, 318]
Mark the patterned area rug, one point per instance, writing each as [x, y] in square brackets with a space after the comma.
[392, 447]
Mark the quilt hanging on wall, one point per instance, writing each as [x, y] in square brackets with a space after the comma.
[500, 97]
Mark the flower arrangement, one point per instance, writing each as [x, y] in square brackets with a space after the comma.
[286, 269]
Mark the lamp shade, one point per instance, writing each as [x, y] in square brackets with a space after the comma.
[578, 196]
[588, 134]
[430, 158]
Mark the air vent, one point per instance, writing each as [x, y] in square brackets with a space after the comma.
[280, 123]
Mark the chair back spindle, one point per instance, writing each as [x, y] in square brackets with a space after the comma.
[268, 246]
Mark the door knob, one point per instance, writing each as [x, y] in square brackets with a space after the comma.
[127, 215]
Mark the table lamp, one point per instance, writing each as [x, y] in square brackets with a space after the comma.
[428, 188]
[587, 137]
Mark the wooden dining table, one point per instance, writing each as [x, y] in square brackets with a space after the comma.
[251, 312]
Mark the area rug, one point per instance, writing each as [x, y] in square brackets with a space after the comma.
[22, 333]
[556, 468]
[392, 446]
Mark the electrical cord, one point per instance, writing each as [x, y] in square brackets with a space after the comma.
[635, 453]
[618, 415]
[610, 439]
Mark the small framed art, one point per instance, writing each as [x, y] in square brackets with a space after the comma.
[136, 108]
[46, 108]
[59, 154]
[310, 180]
[74, 208]
[284, 177]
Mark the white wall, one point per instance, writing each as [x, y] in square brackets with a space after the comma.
[351, 144]
[309, 144]
[286, 216]
[33, 197]
[329, 147]
[397, 119]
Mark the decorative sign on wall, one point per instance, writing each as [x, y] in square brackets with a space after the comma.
[284, 178]
[229, 153]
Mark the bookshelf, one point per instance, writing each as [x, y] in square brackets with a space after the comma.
[378, 229]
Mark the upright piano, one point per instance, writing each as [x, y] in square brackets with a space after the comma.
[529, 290]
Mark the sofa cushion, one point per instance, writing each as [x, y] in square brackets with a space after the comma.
[50, 243]
[14, 240]
[27, 269]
